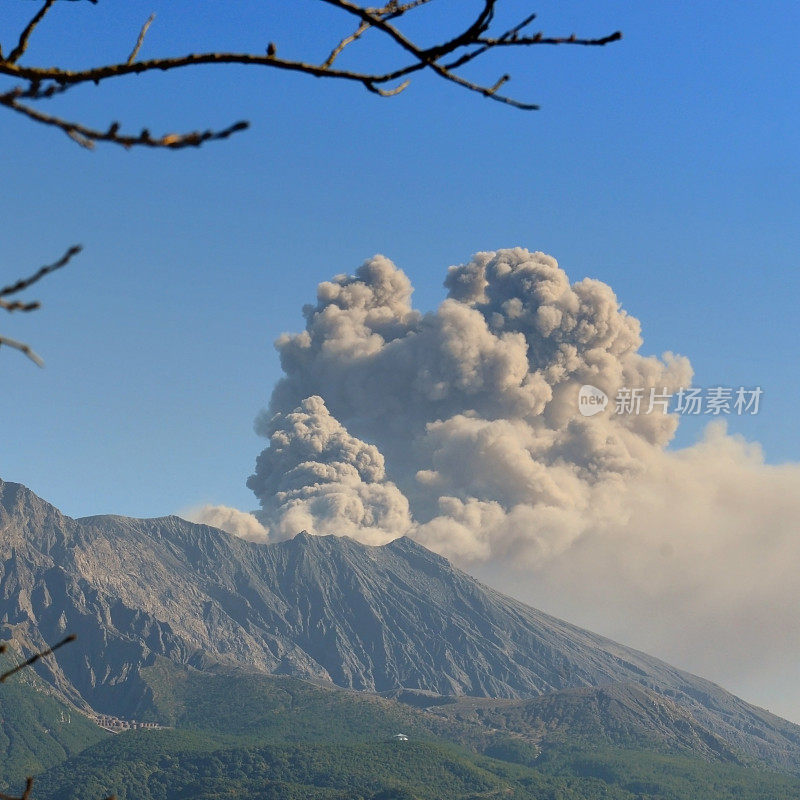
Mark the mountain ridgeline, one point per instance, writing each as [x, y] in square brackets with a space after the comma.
[397, 620]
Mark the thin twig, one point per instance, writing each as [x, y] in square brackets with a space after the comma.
[20, 305]
[24, 796]
[362, 28]
[24, 283]
[23, 348]
[87, 137]
[36, 656]
[25, 36]
[140, 40]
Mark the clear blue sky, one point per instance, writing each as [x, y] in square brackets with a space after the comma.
[666, 165]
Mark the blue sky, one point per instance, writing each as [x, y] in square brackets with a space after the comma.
[665, 165]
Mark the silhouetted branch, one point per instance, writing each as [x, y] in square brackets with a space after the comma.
[24, 283]
[87, 137]
[25, 794]
[140, 40]
[23, 348]
[20, 305]
[25, 36]
[35, 657]
[443, 59]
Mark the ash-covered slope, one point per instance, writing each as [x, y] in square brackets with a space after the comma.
[322, 608]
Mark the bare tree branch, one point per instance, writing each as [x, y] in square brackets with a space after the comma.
[25, 36]
[25, 794]
[24, 283]
[39, 83]
[42, 82]
[20, 305]
[362, 28]
[140, 40]
[88, 137]
[48, 651]
[23, 348]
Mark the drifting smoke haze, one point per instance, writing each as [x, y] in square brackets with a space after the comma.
[460, 427]
[230, 520]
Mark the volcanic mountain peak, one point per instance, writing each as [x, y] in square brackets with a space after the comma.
[327, 609]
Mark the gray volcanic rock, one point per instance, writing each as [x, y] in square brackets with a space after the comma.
[321, 608]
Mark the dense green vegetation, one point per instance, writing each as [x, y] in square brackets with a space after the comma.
[645, 775]
[178, 765]
[162, 764]
[274, 708]
[239, 734]
[37, 731]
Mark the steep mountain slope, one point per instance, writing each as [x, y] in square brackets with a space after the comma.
[279, 708]
[320, 608]
[37, 729]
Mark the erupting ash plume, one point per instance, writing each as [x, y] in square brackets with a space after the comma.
[320, 478]
[460, 427]
[473, 407]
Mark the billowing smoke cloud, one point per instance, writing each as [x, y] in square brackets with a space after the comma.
[460, 427]
[473, 407]
[318, 478]
[230, 520]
